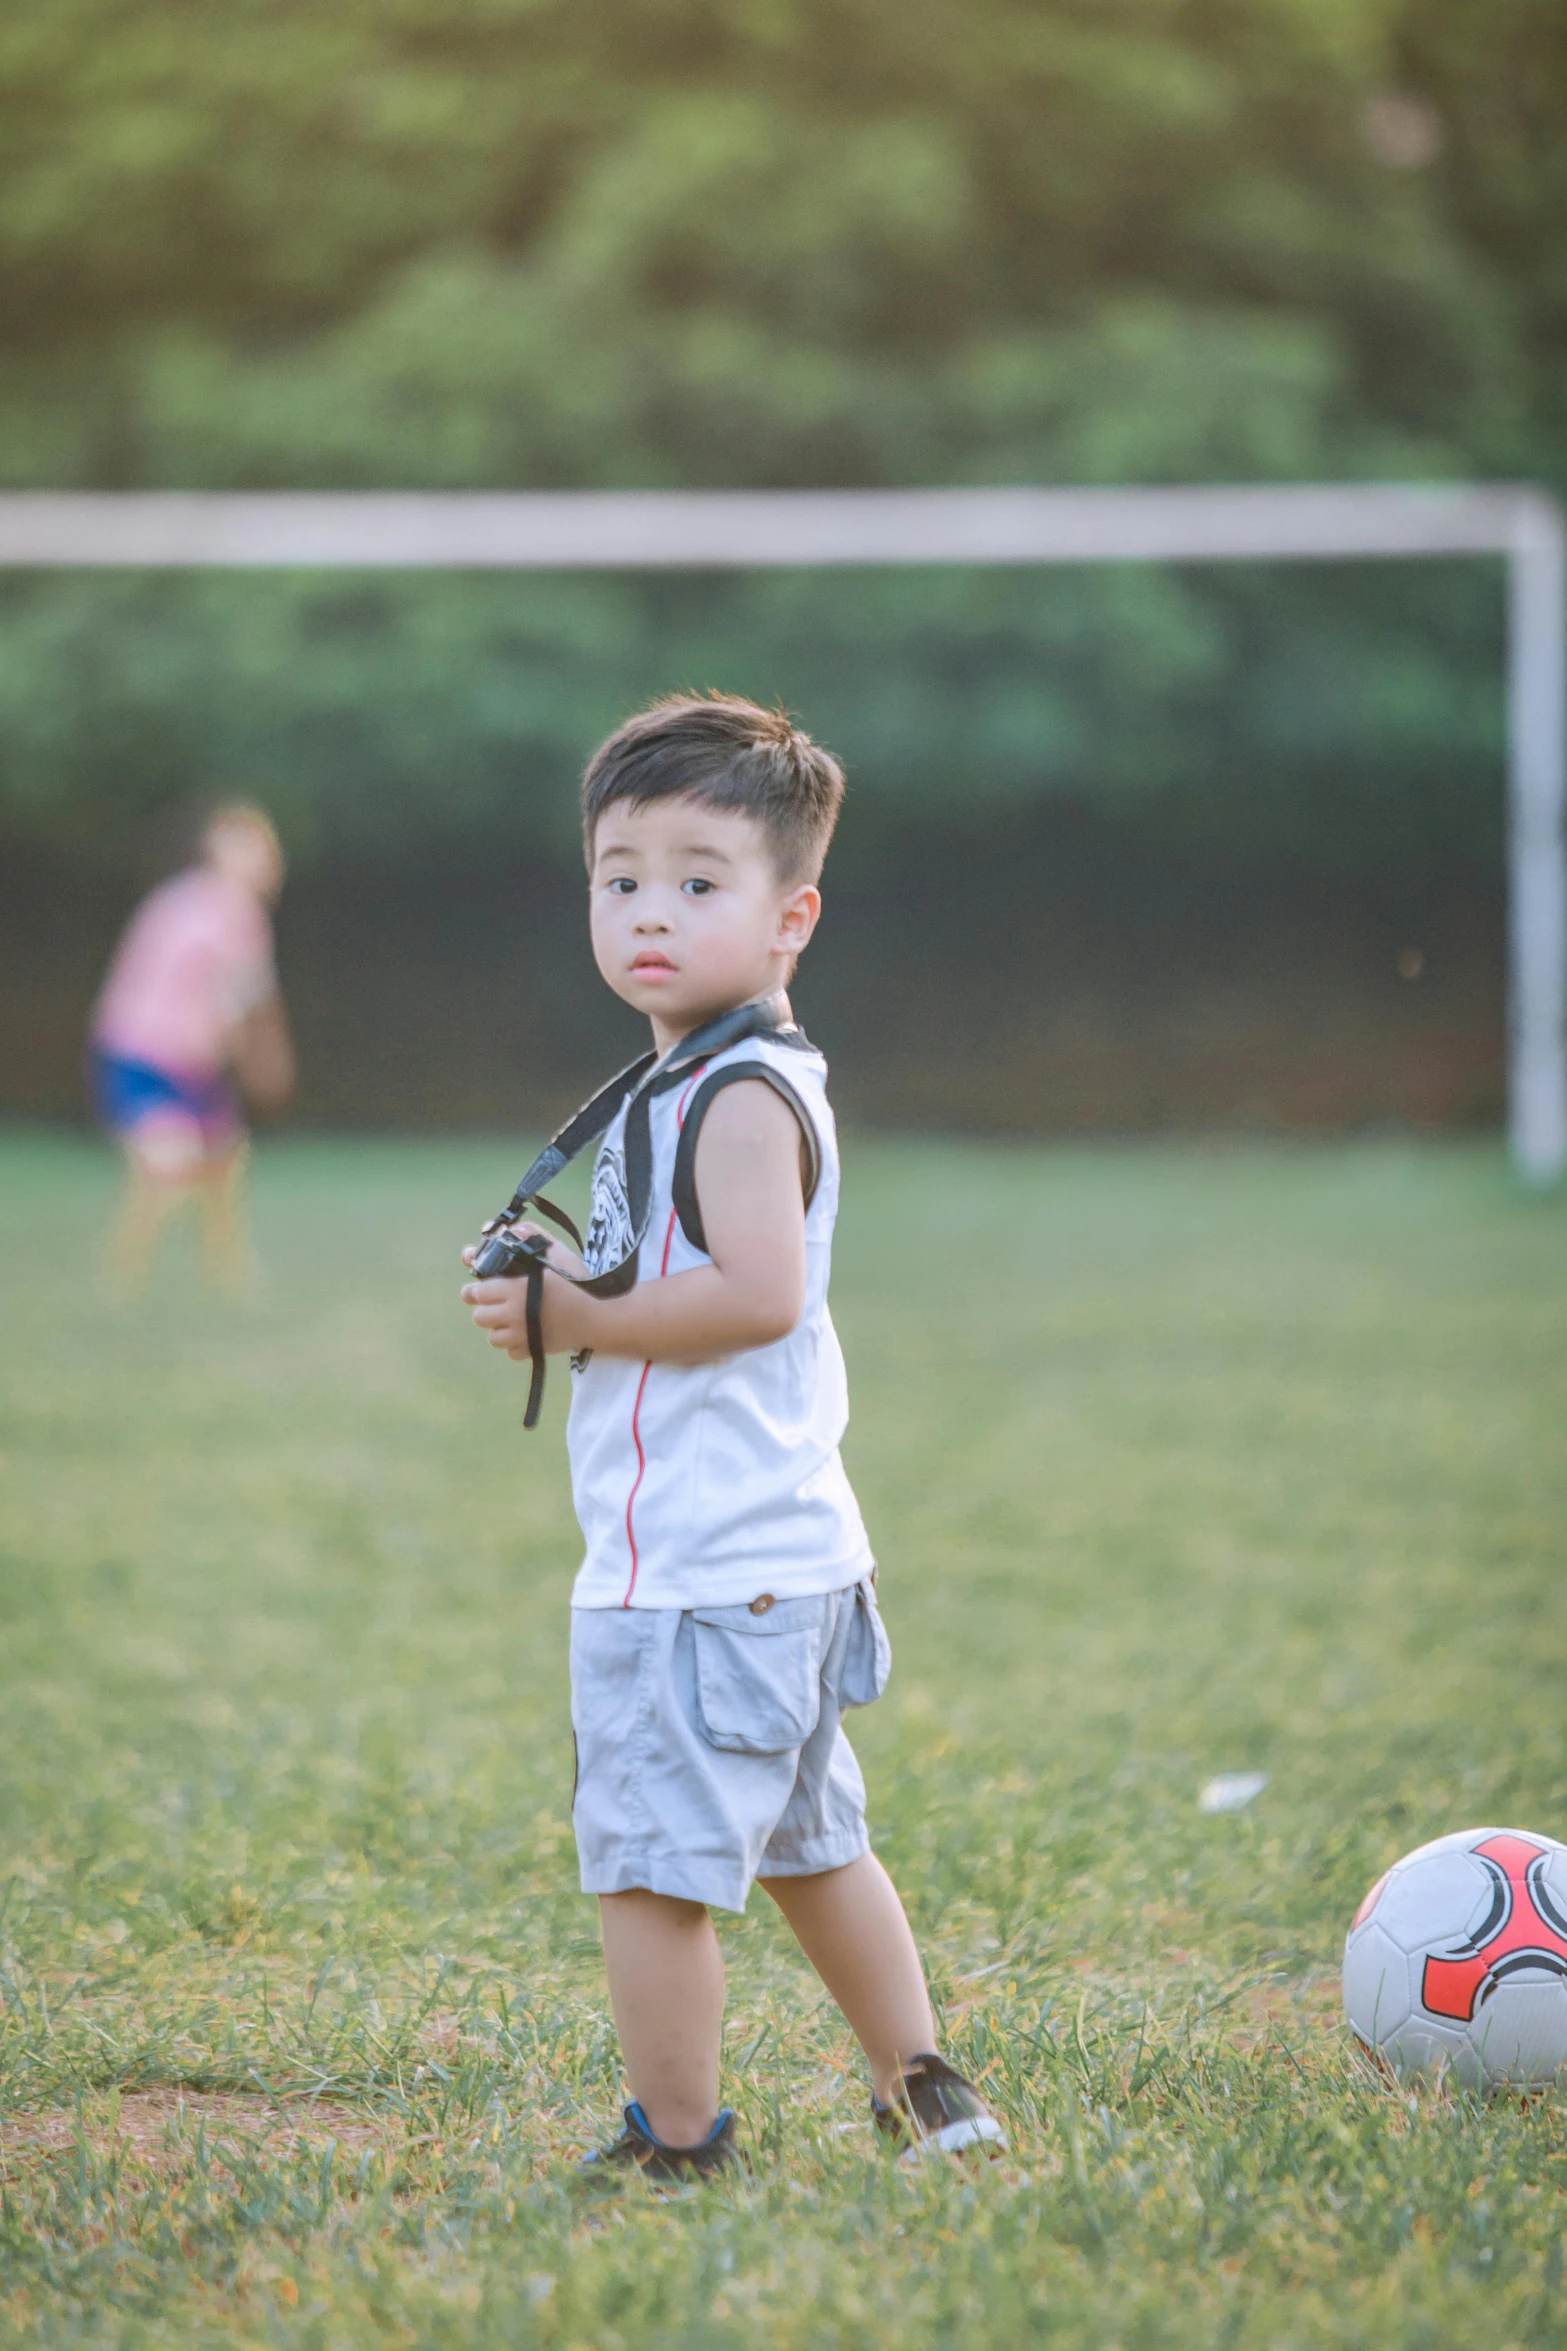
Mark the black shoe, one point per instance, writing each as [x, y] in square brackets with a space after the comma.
[637, 2149]
[938, 2113]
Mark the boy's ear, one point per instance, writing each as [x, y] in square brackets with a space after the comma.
[797, 917]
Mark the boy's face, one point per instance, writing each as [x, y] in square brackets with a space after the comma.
[247, 853]
[689, 917]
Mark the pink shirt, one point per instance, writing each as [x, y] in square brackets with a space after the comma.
[195, 957]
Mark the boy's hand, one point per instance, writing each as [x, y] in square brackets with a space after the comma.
[500, 1305]
[500, 1308]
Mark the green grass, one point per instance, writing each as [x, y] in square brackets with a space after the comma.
[1175, 1461]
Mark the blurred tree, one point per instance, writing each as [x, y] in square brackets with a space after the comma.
[519, 242]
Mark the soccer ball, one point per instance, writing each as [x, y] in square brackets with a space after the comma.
[1456, 1961]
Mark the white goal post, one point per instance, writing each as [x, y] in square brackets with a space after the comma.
[742, 530]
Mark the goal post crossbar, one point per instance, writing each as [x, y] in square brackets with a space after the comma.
[598, 530]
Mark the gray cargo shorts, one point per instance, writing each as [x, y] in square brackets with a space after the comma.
[709, 1748]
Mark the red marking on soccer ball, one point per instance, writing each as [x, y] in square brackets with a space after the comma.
[1522, 1931]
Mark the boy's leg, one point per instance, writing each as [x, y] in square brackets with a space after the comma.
[666, 1989]
[851, 1926]
[223, 1221]
[149, 1199]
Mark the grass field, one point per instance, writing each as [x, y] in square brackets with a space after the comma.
[1176, 1462]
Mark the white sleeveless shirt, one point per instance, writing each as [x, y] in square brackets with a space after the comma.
[700, 1485]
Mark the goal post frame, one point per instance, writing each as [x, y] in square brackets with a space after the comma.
[598, 530]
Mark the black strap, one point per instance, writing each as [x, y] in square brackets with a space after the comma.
[636, 1086]
[582, 1127]
[532, 1308]
[686, 1206]
[558, 1216]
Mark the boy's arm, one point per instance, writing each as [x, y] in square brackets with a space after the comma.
[262, 1053]
[753, 1215]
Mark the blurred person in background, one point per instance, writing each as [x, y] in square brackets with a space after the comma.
[190, 1006]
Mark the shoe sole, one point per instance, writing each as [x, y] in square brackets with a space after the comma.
[955, 2138]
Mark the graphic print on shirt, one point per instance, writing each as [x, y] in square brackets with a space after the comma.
[609, 1225]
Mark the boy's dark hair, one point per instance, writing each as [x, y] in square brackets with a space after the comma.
[729, 753]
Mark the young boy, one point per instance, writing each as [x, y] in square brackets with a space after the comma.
[724, 1615]
[191, 995]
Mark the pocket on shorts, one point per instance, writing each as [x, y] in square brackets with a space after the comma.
[868, 1658]
[758, 1678]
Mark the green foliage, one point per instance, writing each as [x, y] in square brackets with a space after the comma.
[519, 242]
[1239, 1461]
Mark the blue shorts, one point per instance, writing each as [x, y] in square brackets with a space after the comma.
[709, 1746]
[125, 1092]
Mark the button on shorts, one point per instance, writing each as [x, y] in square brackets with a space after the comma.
[709, 1746]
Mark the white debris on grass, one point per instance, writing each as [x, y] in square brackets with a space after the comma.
[1230, 1791]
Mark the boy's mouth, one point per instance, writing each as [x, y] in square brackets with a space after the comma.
[649, 965]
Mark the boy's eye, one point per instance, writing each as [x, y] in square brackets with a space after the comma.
[697, 886]
[622, 885]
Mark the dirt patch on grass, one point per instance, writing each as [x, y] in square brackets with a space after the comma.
[162, 2130]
